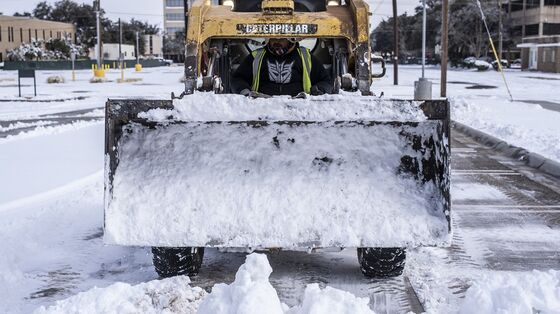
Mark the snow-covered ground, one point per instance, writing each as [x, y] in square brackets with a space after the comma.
[481, 100]
[51, 204]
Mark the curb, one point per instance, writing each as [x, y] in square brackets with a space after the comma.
[531, 159]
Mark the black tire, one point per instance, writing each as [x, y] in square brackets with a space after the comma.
[170, 262]
[382, 262]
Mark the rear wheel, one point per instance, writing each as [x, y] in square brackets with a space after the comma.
[170, 262]
[382, 262]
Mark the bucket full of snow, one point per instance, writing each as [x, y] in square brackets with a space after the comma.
[227, 171]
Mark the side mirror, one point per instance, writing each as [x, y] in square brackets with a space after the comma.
[377, 59]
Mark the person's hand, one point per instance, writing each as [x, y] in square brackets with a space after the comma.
[249, 93]
[316, 91]
[259, 95]
[300, 95]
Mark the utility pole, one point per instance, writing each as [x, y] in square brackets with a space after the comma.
[444, 45]
[395, 45]
[500, 39]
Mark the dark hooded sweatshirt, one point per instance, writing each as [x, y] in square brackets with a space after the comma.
[281, 75]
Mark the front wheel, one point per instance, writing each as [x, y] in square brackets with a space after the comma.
[382, 262]
[170, 262]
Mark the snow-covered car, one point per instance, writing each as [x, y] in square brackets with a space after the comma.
[516, 64]
[469, 62]
[482, 65]
[504, 62]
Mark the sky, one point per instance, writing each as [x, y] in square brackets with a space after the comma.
[152, 10]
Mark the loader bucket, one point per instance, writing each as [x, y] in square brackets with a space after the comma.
[289, 177]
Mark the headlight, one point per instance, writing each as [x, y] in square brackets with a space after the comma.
[228, 3]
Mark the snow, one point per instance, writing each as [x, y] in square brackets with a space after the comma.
[47, 158]
[204, 107]
[171, 295]
[230, 185]
[525, 125]
[51, 250]
[251, 292]
[330, 300]
[534, 292]
[476, 191]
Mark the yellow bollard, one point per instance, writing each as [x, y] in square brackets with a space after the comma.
[138, 67]
[99, 73]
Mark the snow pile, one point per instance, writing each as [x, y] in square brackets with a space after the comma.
[535, 292]
[330, 300]
[212, 107]
[251, 292]
[236, 185]
[521, 124]
[172, 295]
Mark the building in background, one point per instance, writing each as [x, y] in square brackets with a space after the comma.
[174, 16]
[111, 52]
[17, 30]
[536, 29]
[153, 46]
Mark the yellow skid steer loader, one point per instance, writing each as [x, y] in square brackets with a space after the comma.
[213, 169]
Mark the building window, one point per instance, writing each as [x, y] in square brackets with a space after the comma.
[29, 34]
[174, 3]
[174, 16]
[36, 35]
[174, 30]
[549, 55]
[531, 30]
[551, 2]
[21, 34]
[1, 57]
[531, 4]
[551, 28]
[51, 35]
[0, 32]
[13, 37]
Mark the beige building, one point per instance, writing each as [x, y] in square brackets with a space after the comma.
[17, 30]
[536, 25]
[154, 45]
[174, 16]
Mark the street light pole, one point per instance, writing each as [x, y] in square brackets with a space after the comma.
[395, 44]
[97, 5]
[120, 50]
[423, 87]
[423, 36]
[137, 49]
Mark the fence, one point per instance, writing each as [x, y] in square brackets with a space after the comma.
[79, 64]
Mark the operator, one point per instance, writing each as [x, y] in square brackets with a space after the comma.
[282, 67]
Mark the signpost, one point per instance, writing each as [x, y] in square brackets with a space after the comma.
[27, 74]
